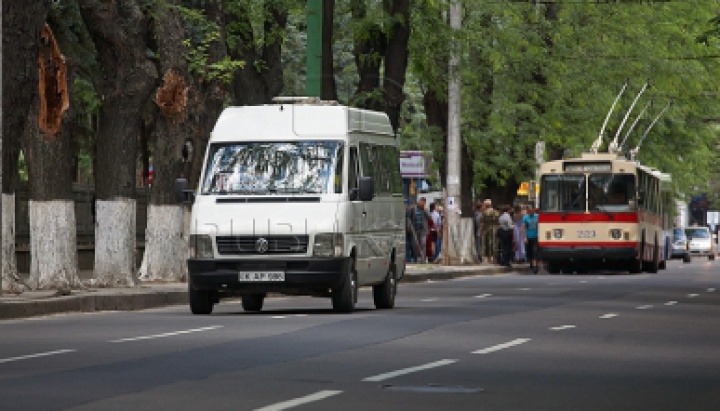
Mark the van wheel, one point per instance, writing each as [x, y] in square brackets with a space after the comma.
[201, 301]
[384, 293]
[711, 257]
[345, 296]
[253, 302]
[687, 258]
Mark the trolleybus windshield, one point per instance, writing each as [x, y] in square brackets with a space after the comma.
[584, 193]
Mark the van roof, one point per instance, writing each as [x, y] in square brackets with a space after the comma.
[298, 121]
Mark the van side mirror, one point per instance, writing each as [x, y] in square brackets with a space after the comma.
[366, 189]
[182, 194]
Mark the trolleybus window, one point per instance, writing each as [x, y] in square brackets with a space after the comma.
[562, 192]
[611, 192]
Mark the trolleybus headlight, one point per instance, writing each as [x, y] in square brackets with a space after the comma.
[558, 232]
[615, 233]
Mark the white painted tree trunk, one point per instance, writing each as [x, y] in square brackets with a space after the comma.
[53, 245]
[165, 245]
[115, 243]
[10, 277]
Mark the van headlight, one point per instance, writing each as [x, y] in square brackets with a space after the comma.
[201, 246]
[328, 245]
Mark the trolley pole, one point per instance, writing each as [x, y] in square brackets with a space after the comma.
[452, 200]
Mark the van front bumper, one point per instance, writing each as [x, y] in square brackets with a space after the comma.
[302, 275]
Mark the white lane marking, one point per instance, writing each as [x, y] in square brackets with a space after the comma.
[279, 316]
[692, 295]
[483, 296]
[149, 337]
[502, 346]
[429, 300]
[300, 315]
[711, 290]
[42, 354]
[524, 289]
[393, 374]
[583, 282]
[562, 327]
[320, 395]
[671, 303]
[611, 315]
[644, 307]
[601, 278]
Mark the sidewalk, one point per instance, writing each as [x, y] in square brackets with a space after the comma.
[153, 295]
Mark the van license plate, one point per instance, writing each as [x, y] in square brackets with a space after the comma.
[261, 276]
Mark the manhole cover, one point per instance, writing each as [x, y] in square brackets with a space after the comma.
[433, 389]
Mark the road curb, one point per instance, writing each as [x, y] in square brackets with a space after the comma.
[92, 303]
[450, 275]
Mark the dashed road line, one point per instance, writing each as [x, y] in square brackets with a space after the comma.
[38, 355]
[692, 295]
[606, 316]
[172, 334]
[711, 290]
[393, 374]
[320, 395]
[502, 346]
[483, 296]
[562, 327]
[644, 307]
[671, 303]
[429, 300]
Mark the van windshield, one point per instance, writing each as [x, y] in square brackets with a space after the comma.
[267, 168]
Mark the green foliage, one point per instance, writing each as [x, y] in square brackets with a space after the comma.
[202, 33]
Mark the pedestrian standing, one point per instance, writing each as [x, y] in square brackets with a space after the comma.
[421, 220]
[437, 222]
[518, 233]
[409, 234]
[505, 235]
[489, 231]
[530, 222]
[477, 225]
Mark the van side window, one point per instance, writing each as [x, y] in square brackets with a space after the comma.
[393, 163]
[366, 161]
[353, 169]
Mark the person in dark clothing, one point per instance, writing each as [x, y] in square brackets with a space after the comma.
[505, 236]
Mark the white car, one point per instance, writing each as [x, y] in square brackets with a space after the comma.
[701, 242]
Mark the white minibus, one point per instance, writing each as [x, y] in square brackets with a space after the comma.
[300, 197]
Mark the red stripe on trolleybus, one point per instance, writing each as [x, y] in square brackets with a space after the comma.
[587, 217]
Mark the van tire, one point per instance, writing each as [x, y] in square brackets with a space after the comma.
[345, 296]
[384, 293]
[687, 258]
[252, 302]
[201, 301]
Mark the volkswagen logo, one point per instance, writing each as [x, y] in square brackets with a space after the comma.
[262, 245]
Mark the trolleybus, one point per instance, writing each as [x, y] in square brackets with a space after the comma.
[602, 209]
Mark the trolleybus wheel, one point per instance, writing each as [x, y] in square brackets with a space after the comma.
[636, 266]
[553, 268]
[655, 264]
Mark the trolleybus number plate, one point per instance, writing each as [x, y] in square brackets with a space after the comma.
[586, 233]
[261, 276]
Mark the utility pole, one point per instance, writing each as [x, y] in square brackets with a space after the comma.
[313, 79]
[451, 247]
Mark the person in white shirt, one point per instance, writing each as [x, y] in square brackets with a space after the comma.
[437, 230]
[505, 235]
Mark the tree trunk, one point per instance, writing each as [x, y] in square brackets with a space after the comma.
[22, 22]
[396, 60]
[262, 78]
[165, 248]
[47, 148]
[369, 50]
[328, 88]
[119, 30]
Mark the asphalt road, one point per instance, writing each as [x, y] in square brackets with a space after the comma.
[599, 341]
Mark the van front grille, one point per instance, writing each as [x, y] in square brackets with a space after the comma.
[254, 245]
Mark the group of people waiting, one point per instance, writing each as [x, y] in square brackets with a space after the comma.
[423, 232]
[507, 235]
[502, 236]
